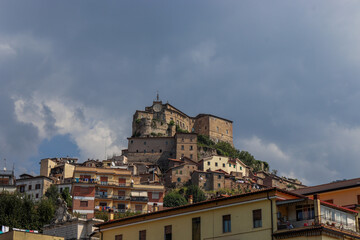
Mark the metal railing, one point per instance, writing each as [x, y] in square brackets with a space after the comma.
[103, 183]
[139, 199]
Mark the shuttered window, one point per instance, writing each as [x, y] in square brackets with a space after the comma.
[168, 232]
[196, 229]
[118, 237]
[142, 235]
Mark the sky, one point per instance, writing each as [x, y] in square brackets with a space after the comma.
[72, 74]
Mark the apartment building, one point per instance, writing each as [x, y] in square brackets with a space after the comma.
[58, 169]
[265, 214]
[33, 186]
[102, 189]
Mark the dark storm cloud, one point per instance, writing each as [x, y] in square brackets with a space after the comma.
[285, 72]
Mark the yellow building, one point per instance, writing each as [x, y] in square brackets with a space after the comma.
[19, 235]
[226, 164]
[262, 215]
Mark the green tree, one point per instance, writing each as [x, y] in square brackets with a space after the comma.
[52, 194]
[102, 215]
[67, 197]
[196, 192]
[174, 199]
[45, 211]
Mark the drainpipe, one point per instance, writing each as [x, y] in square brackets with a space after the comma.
[317, 209]
[272, 215]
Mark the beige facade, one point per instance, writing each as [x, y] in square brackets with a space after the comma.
[34, 187]
[250, 216]
[18, 235]
[59, 169]
[226, 164]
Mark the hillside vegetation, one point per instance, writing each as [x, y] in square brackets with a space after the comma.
[225, 149]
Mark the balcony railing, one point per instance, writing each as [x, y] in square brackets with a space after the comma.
[101, 196]
[139, 199]
[115, 197]
[103, 183]
[290, 224]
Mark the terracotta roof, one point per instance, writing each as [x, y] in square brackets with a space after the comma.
[329, 187]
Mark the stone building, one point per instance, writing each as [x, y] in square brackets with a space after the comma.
[163, 120]
[210, 180]
[179, 172]
[271, 180]
[58, 169]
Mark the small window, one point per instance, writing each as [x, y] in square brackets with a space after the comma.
[257, 222]
[182, 139]
[180, 172]
[179, 179]
[227, 131]
[144, 151]
[155, 195]
[83, 203]
[234, 166]
[168, 232]
[144, 143]
[240, 168]
[219, 185]
[229, 164]
[160, 150]
[191, 147]
[191, 139]
[137, 150]
[219, 176]
[182, 147]
[182, 155]
[30, 187]
[208, 163]
[37, 186]
[142, 235]
[226, 223]
[118, 237]
[166, 143]
[37, 195]
[22, 189]
[152, 150]
[191, 156]
[132, 141]
[223, 164]
[216, 164]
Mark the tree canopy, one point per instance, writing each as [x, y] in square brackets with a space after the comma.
[174, 199]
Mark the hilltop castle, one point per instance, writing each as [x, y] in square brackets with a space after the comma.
[163, 131]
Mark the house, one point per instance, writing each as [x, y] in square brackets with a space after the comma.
[210, 180]
[227, 164]
[35, 187]
[271, 180]
[179, 172]
[265, 214]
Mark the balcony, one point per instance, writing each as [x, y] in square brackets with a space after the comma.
[139, 199]
[299, 213]
[103, 196]
[115, 197]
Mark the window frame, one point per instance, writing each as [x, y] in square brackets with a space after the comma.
[257, 218]
[226, 223]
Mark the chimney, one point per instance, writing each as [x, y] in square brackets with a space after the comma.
[191, 199]
[155, 207]
[111, 214]
[317, 211]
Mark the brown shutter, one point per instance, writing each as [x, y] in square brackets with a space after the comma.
[168, 229]
[142, 235]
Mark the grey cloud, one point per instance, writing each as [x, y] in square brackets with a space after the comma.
[282, 71]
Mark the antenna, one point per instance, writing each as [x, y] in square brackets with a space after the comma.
[157, 95]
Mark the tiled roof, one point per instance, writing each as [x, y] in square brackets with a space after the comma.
[329, 187]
